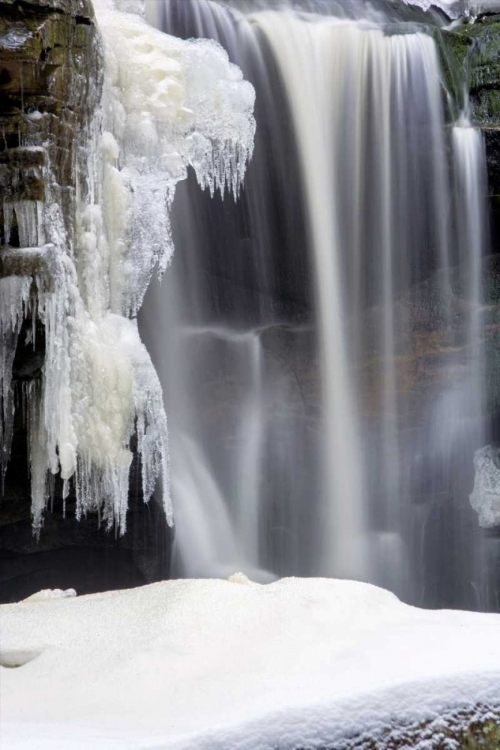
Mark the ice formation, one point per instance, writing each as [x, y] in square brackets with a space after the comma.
[166, 104]
[485, 496]
[14, 298]
[453, 8]
[456, 8]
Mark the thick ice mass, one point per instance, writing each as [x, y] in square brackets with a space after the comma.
[485, 497]
[166, 104]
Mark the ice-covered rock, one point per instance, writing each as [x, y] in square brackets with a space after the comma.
[456, 8]
[485, 497]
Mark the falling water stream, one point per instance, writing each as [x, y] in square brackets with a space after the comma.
[319, 343]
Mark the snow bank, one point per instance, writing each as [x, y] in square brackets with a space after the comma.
[233, 664]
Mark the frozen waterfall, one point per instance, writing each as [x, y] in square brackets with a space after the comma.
[165, 104]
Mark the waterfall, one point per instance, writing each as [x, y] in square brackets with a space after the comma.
[325, 364]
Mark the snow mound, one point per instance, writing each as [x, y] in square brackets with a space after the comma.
[206, 664]
[50, 594]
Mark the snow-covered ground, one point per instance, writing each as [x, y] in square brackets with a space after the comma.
[233, 664]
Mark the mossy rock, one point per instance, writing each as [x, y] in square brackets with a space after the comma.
[492, 141]
[452, 732]
[485, 61]
[487, 107]
[473, 51]
[485, 736]
[453, 49]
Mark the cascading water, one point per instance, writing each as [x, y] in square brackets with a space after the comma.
[319, 344]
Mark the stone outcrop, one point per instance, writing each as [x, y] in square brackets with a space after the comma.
[49, 74]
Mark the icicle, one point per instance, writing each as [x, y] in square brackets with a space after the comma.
[29, 219]
[37, 453]
[14, 299]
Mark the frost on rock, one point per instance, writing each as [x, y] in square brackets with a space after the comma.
[485, 497]
[167, 104]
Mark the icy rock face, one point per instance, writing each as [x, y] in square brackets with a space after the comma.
[166, 104]
[485, 497]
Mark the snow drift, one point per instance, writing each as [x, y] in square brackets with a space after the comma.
[232, 664]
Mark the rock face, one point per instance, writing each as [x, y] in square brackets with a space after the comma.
[49, 63]
[476, 47]
[50, 77]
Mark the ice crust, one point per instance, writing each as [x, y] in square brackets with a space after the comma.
[211, 665]
[167, 104]
[485, 496]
